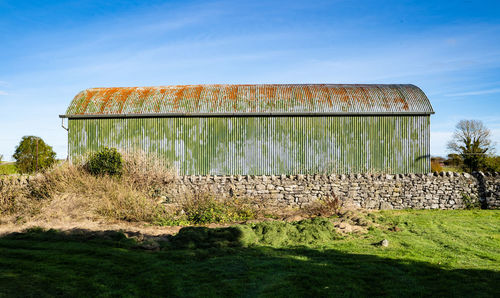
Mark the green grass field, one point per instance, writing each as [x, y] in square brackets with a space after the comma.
[430, 253]
[7, 168]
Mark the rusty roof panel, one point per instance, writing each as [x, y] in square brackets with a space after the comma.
[242, 99]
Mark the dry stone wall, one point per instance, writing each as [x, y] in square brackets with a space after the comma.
[371, 191]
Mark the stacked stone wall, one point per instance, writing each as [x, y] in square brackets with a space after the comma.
[370, 191]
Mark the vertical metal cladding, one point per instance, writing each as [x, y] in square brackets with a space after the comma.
[265, 145]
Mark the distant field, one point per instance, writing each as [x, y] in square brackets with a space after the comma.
[7, 168]
[452, 169]
[430, 253]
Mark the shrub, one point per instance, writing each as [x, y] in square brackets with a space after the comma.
[33, 154]
[470, 203]
[436, 166]
[325, 206]
[492, 164]
[107, 161]
[204, 208]
[147, 172]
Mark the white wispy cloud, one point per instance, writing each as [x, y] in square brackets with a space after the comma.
[477, 92]
[3, 93]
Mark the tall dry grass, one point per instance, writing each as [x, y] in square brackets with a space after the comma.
[69, 191]
[15, 198]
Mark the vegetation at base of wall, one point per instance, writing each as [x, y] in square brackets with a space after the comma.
[470, 203]
[203, 208]
[69, 190]
[446, 253]
[329, 205]
[33, 154]
[137, 195]
[107, 161]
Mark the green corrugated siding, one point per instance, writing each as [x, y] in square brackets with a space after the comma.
[266, 145]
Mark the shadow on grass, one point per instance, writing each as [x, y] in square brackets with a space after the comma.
[214, 262]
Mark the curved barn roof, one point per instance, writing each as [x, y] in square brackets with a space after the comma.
[267, 99]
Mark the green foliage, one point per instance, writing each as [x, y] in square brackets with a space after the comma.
[454, 160]
[470, 203]
[204, 208]
[492, 164]
[317, 231]
[107, 161]
[8, 168]
[33, 154]
[471, 140]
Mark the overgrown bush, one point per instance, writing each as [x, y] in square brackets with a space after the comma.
[147, 172]
[325, 206]
[436, 166]
[107, 161]
[138, 194]
[205, 208]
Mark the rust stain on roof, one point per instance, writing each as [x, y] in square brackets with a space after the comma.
[104, 97]
[87, 95]
[142, 95]
[326, 96]
[308, 95]
[123, 96]
[401, 100]
[179, 94]
[308, 98]
[197, 95]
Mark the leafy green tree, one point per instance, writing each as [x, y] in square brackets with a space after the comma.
[1, 158]
[471, 140]
[33, 154]
[454, 160]
[492, 164]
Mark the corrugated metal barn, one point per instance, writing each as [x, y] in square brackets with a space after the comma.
[259, 129]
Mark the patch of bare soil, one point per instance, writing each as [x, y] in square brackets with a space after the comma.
[95, 226]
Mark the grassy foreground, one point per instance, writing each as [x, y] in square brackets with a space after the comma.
[430, 253]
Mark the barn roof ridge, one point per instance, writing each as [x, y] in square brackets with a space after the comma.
[250, 99]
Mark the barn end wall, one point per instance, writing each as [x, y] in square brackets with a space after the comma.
[265, 145]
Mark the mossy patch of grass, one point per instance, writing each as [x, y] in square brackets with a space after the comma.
[317, 232]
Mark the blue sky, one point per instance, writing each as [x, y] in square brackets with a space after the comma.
[50, 50]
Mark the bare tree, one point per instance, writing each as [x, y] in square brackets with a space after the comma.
[471, 140]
